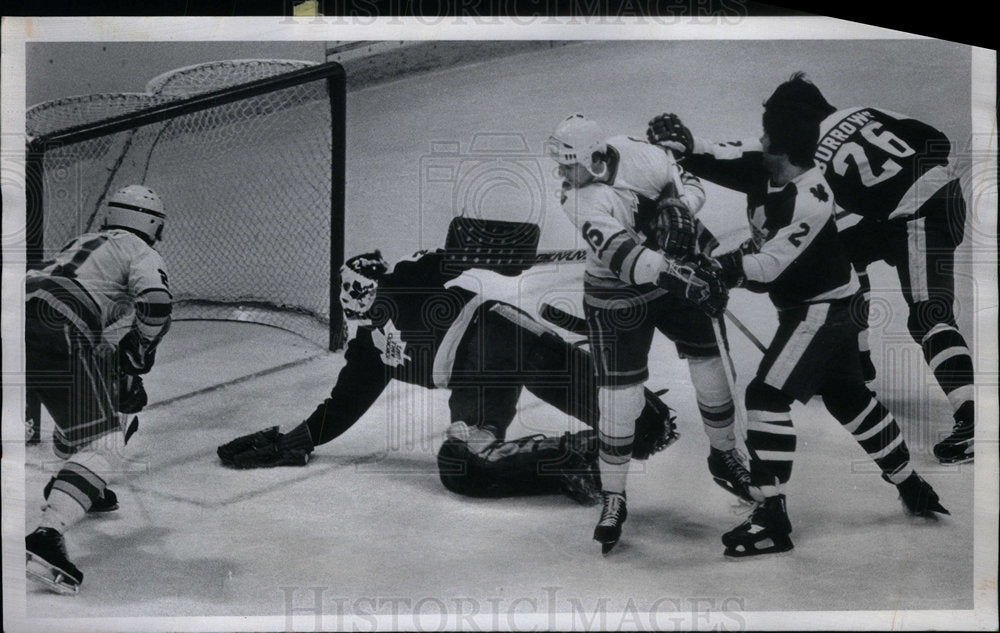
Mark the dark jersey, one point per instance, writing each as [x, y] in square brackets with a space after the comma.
[799, 258]
[880, 164]
[415, 320]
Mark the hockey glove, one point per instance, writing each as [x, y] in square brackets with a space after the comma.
[131, 394]
[731, 270]
[698, 281]
[655, 429]
[268, 448]
[675, 228]
[667, 131]
[135, 355]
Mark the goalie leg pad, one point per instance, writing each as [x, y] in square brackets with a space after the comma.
[530, 465]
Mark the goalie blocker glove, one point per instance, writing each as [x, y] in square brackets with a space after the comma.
[698, 281]
[268, 448]
[666, 130]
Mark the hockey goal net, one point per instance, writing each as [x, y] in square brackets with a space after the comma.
[248, 157]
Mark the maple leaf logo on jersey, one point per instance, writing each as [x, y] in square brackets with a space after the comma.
[389, 342]
[820, 192]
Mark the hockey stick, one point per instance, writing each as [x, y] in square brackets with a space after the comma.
[730, 371]
[746, 332]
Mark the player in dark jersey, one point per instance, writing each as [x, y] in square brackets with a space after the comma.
[426, 329]
[795, 256]
[898, 174]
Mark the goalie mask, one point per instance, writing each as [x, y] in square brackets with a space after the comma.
[359, 281]
[137, 208]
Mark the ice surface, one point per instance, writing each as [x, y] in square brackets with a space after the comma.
[368, 522]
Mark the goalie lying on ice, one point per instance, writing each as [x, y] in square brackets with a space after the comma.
[425, 330]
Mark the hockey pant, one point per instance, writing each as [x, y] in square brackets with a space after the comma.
[75, 381]
[814, 352]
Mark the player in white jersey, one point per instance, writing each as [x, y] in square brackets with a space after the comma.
[796, 257]
[86, 384]
[621, 195]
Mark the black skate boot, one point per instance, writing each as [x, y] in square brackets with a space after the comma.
[107, 502]
[613, 515]
[765, 532]
[579, 479]
[957, 448]
[728, 471]
[47, 562]
[919, 499]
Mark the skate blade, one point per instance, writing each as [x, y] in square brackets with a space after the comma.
[733, 555]
[957, 461]
[739, 558]
[926, 518]
[607, 547]
[51, 577]
[728, 487]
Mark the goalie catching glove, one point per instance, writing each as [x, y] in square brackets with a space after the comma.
[666, 130]
[699, 281]
[268, 448]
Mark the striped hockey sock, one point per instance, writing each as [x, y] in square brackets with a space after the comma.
[615, 454]
[771, 443]
[948, 356]
[876, 431]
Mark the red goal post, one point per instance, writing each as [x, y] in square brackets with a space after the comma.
[249, 158]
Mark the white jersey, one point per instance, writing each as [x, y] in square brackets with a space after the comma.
[97, 278]
[647, 169]
[611, 215]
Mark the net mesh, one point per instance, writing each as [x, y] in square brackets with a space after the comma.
[246, 186]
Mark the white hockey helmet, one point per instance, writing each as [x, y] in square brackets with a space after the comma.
[137, 208]
[575, 141]
[359, 281]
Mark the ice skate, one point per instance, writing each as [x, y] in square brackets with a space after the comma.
[613, 515]
[764, 532]
[47, 562]
[957, 448]
[918, 498]
[728, 471]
